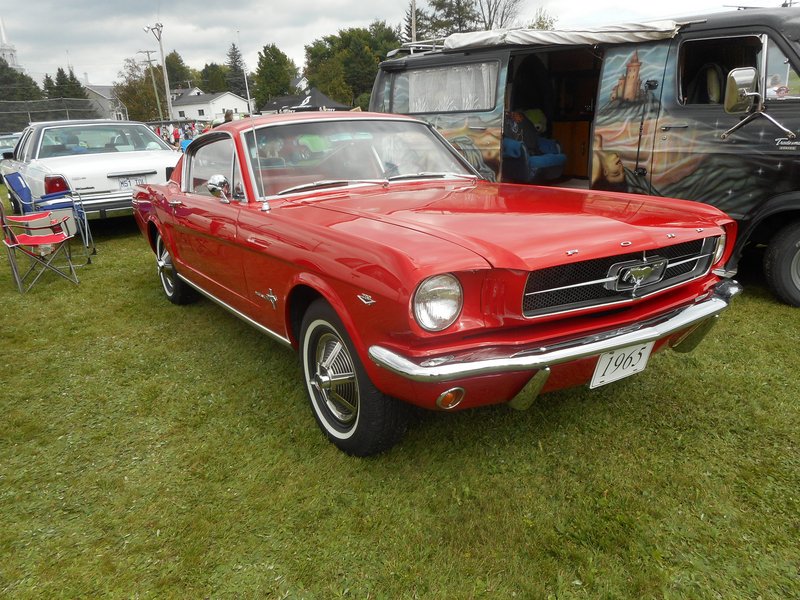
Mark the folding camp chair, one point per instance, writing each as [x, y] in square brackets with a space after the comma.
[22, 198]
[43, 240]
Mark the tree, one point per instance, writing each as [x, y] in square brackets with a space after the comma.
[17, 86]
[66, 86]
[498, 14]
[135, 90]
[235, 72]
[180, 75]
[343, 66]
[213, 78]
[452, 16]
[422, 25]
[542, 20]
[274, 75]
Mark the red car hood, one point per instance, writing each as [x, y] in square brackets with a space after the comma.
[530, 227]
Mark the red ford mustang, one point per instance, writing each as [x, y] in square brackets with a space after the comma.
[369, 245]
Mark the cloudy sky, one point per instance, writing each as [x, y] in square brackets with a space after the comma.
[94, 37]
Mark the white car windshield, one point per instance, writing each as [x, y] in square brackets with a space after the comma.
[98, 139]
[301, 156]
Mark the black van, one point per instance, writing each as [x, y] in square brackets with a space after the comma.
[705, 108]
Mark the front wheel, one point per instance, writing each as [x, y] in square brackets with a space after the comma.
[350, 410]
[782, 264]
[175, 289]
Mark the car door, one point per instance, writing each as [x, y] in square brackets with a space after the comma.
[206, 225]
[694, 156]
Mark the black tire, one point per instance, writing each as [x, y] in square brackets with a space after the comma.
[353, 414]
[175, 289]
[782, 264]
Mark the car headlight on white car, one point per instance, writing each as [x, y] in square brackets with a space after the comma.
[437, 302]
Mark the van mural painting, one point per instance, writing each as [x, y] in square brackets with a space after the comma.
[704, 108]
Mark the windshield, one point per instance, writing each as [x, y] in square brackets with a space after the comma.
[99, 139]
[301, 156]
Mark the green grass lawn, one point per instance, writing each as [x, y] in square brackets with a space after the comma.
[155, 451]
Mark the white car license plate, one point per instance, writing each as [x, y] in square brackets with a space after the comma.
[127, 183]
[617, 364]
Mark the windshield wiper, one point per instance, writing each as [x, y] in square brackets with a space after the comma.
[430, 175]
[325, 183]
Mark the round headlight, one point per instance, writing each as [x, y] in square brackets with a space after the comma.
[437, 302]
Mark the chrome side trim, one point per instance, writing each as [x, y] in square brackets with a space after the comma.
[503, 360]
[235, 312]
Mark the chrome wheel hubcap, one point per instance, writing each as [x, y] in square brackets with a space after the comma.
[164, 266]
[334, 379]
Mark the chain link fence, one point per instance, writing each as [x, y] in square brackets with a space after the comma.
[15, 115]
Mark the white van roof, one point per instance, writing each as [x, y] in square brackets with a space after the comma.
[611, 34]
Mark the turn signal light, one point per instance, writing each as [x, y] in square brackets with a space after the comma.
[451, 398]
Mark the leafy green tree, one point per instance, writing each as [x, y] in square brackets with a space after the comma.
[452, 16]
[213, 78]
[274, 75]
[135, 90]
[343, 66]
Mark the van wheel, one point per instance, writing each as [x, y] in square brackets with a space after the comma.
[350, 410]
[782, 264]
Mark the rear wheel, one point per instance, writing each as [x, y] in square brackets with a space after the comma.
[782, 264]
[350, 410]
[175, 289]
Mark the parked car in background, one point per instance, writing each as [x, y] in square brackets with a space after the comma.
[369, 245]
[7, 142]
[100, 159]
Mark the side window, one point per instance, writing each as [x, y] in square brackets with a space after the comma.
[782, 80]
[449, 88]
[215, 158]
[705, 64]
[24, 148]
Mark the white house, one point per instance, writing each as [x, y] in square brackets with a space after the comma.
[197, 106]
[105, 101]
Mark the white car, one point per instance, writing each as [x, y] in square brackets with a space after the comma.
[101, 160]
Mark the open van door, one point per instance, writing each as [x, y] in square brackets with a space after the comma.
[625, 126]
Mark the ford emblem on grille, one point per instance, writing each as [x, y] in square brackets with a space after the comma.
[634, 274]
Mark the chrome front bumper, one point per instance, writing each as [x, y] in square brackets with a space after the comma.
[696, 320]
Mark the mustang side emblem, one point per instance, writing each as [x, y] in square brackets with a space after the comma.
[269, 297]
[631, 275]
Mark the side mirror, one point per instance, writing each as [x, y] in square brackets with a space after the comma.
[219, 187]
[8, 155]
[740, 90]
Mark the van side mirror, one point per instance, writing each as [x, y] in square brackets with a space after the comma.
[740, 90]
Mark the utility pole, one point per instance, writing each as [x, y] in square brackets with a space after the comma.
[156, 31]
[149, 62]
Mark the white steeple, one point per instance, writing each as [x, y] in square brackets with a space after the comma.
[7, 51]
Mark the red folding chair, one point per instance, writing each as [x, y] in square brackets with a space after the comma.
[45, 241]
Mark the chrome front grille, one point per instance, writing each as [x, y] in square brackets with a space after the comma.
[614, 279]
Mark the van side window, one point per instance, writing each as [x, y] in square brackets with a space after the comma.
[782, 81]
[450, 88]
[705, 64]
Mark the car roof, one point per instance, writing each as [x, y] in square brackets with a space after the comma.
[247, 123]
